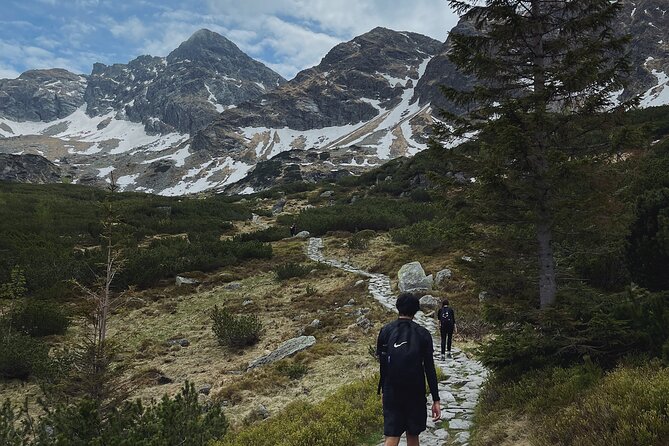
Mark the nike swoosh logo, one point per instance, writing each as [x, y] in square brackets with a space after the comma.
[400, 344]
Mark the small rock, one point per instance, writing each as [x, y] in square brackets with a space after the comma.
[363, 323]
[278, 206]
[162, 380]
[180, 280]
[303, 234]
[459, 424]
[483, 295]
[316, 323]
[233, 286]
[467, 259]
[359, 283]
[327, 194]
[262, 411]
[247, 303]
[183, 342]
[205, 389]
[351, 301]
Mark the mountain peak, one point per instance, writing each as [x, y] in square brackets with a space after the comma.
[204, 43]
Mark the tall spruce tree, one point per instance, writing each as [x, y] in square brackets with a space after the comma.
[548, 72]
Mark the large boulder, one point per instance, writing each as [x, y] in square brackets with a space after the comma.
[442, 277]
[412, 277]
[429, 303]
[288, 348]
[303, 234]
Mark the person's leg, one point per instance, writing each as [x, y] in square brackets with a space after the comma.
[450, 340]
[392, 441]
[443, 341]
[412, 440]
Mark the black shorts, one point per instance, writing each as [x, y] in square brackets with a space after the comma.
[404, 415]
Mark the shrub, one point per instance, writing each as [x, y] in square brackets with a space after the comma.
[292, 369]
[605, 328]
[16, 287]
[235, 331]
[360, 240]
[21, 356]
[291, 269]
[271, 234]
[171, 422]
[429, 236]
[39, 318]
[628, 407]
[377, 214]
[348, 417]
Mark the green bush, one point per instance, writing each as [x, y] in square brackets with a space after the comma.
[430, 236]
[360, 240]
[39, 318]
[605, 328]
[629, 407]
[171, 422]
[350, 416]
[235, 331]
[379, 214]
[21, 355]
[271, 234]
[648, 242]
[292, 369]
[291, 269]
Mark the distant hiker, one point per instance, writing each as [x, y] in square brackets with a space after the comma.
[405, 352]
[293, 230]
[447, 326]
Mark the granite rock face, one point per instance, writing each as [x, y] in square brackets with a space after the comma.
[41, 95]
[184, 91]
[33, 169]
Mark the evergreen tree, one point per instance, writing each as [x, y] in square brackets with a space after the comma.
[547, 72]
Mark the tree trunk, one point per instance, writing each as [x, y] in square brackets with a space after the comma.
[547, 279]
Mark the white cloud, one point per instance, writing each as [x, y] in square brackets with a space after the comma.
[131, 29]
[287, 35]
[8, 73]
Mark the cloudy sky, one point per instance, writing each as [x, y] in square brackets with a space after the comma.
[287, 35]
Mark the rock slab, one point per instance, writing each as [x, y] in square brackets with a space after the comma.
[288, 348]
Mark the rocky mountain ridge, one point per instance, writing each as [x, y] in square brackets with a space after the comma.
[204, 116]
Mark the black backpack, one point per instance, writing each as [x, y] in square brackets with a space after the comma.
[400, 355]
[445, 316]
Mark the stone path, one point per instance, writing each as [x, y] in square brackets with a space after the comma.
[459, 391]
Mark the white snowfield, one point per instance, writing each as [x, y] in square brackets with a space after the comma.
[119, 135]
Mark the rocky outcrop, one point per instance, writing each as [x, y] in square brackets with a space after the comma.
[288, 348]
[28, 169]
[41, 95]
[184, 91]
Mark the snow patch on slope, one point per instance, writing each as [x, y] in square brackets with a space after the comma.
[118, 135]
[658, 95]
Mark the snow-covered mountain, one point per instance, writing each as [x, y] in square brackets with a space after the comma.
[206, 115]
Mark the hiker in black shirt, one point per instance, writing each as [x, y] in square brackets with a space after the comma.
[405, 352]
[447, 326]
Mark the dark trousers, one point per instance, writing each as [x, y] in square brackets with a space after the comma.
[446, 339]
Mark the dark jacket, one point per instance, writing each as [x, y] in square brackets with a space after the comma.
[446, 323]
[416, 372]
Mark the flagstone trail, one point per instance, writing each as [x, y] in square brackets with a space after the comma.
[459, 391]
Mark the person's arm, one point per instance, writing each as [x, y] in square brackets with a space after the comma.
[430, 372]
[381, 347]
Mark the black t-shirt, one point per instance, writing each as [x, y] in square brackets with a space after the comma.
[418, 371]
[446, 317]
